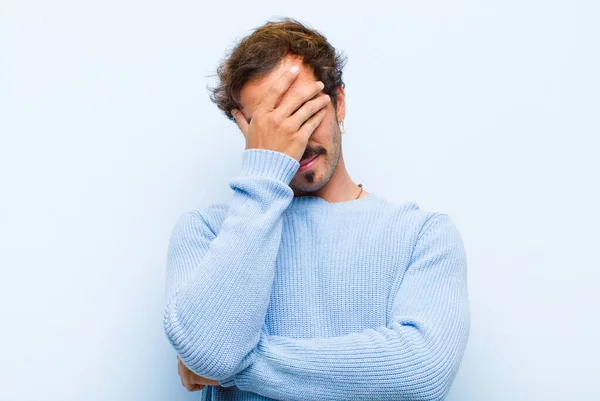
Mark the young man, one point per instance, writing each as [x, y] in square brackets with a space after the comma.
[305, 286]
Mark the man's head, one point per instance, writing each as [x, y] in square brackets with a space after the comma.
[259, 59]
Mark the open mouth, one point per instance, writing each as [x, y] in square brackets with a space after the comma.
[305, 165]
[308, 160]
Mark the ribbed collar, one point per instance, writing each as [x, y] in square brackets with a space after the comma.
[314, 202]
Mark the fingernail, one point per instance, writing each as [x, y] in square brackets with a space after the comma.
[294, 69]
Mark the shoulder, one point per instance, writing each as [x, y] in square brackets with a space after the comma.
[412, 223]
[207, 219]
[428, 237]
[408, 215]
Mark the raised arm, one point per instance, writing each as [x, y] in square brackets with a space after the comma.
[414, 357]
[218, 286]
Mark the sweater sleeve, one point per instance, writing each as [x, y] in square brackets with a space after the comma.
[218, 286]
[414, 357]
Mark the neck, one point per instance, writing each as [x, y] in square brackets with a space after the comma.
[340, 187]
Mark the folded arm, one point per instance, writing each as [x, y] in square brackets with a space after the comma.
[414, 357]
[218, 286]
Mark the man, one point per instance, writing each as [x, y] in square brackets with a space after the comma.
[305, 286]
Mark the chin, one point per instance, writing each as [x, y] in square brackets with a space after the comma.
[304, 184]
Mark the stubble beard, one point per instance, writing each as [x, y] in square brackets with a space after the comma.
[308, 179]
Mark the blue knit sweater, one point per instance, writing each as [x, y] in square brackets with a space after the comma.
[289, 298]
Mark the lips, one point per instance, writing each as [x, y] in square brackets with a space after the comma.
[308, 160]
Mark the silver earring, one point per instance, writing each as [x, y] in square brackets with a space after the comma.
[342, 129]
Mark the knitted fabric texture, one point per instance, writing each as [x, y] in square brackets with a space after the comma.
[289, 298]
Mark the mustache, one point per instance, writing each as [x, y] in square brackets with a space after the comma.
[310, 153]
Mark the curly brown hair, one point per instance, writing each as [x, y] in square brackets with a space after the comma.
[260, 52]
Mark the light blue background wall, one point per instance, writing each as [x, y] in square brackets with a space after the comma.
[485, 110]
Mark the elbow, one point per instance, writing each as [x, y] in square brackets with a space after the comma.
[431, 382]
[443, 386]
[196, 349]
[435, 375]
[441, 361]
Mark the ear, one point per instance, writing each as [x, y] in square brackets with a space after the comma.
[240, 120]
[341, 104]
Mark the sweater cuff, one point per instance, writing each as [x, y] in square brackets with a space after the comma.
[269, 164]
[249, 374]
[256, 375]
[227, 382]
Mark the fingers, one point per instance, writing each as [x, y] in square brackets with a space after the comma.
[294, 99]
[193, 387]
[188, 377]
[197, 387]
[279, 87]
[307, 110]
[183, 374]
[312, 123]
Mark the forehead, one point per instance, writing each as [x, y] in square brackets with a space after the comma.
[253, 91]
